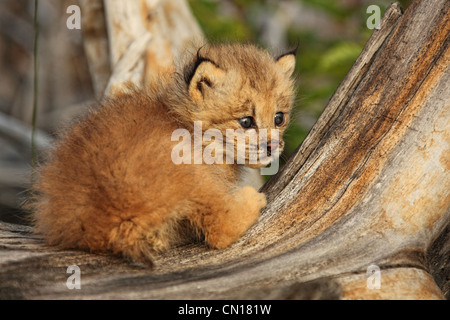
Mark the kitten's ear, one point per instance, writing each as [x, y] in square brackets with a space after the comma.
[286, 62]
[206, 75]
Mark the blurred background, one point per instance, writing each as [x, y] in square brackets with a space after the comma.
[330, 35]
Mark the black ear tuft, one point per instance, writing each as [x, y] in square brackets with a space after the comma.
[290, 52]
[192, 68]
[202, 77]
[286, 62]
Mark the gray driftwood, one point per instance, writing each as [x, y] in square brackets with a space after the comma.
[368, 190]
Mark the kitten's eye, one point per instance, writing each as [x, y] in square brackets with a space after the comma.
[247, 122]
[279, 118]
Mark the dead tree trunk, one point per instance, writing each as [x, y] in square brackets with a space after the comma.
[367, 191]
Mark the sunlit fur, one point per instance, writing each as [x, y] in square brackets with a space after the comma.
[110, 185]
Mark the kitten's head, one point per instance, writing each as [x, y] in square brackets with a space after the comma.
[243, 90]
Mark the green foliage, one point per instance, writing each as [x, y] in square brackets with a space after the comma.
[338, 58]
[334, 8]
[218, 27]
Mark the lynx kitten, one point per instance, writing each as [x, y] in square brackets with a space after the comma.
[110, 184]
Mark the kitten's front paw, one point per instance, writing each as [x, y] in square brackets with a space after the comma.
[253, 199]
[243, 212]
[251, 202]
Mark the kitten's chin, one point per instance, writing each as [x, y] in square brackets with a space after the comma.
[255, 165]
[262, 161]
[260, 164]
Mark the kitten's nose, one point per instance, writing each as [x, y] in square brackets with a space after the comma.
[272, 146]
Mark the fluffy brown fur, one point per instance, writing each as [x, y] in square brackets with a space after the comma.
[110, 183]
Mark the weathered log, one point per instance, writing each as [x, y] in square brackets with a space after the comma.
[368, 190]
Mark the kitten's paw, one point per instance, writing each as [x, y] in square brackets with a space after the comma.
[128, 241]
[141, 252]
[243, 212]
[253, 199]
[249, 206]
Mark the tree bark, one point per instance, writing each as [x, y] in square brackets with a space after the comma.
[368, 190]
